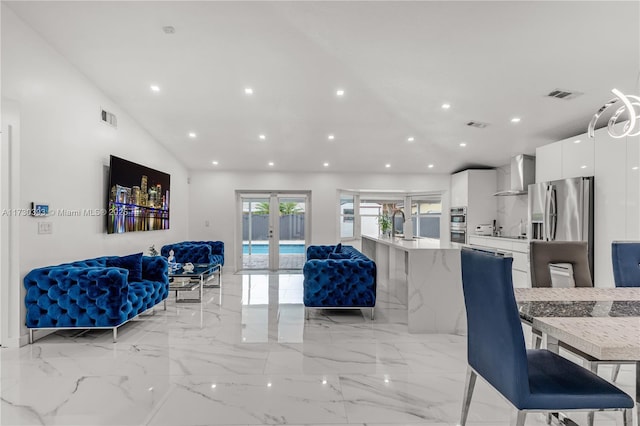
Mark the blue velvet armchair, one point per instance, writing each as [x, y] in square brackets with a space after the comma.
[535, 380]
[104, 292]
[202, 252]
[339, 277]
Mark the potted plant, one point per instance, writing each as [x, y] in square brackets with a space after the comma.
[384, 222]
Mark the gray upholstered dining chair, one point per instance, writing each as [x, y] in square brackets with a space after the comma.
[544, 254]
[531, 380]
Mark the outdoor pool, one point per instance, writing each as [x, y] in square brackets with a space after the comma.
[264, 249]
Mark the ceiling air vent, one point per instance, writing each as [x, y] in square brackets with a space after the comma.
[109, 118]
[563, 94]
[478, 124]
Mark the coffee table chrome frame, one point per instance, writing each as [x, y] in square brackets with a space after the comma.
[217, 269]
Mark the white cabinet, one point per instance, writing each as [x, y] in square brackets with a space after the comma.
[549, 162]
[519, 250]
[474, 190]
[577, 157]
[460, 189]
[568, 158]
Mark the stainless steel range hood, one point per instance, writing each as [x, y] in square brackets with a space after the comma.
[523, 173]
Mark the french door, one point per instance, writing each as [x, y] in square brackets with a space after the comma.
[274, 227]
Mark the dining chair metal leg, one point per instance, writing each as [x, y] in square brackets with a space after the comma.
[536, 339]
[518, 418]
[615, 372]
[469, 385]
[627, 417]
[593, 367]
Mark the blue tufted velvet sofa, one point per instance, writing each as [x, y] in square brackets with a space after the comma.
[339, 280]
[94, 294]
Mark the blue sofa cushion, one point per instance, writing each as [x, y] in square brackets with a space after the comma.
[132, 263]
[339, 256]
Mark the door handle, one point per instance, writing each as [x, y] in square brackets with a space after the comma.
[546, 218]
[553, 213]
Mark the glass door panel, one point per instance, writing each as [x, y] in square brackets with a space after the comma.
[291, 232]
[256, 228]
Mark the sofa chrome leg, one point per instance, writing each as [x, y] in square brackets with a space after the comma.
[165, 304]
[31, 336]
[518, 418]
[372, 315]
[306, 313]
[115, 334]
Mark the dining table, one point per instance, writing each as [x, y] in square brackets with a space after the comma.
[601, 324]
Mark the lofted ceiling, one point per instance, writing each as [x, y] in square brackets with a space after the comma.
[397, 63]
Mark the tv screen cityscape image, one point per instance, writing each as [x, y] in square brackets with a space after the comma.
[138, 198]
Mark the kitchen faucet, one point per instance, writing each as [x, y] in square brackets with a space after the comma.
[393, 221]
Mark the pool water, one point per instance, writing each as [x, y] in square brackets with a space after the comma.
[264, 249]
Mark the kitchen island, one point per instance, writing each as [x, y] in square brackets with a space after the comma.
[425, 277]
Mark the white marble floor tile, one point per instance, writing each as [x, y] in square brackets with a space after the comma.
[161, 370]
[83, 400]
[263, 399]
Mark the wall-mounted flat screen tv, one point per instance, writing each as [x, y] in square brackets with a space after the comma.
[138, 198]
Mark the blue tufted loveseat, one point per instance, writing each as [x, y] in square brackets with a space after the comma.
[94, 294]
[339, 280]
[202, 252]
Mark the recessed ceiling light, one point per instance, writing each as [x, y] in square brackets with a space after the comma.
[515, 120]
[269, 384]
[446, 106]
[213, 386]
[410, 139]
[583, 167]
[271, 163]
[463, 144]
[326, 164]
[634, 168]
[578, 141]
[340, 92]
[262, 137]
[192, 135]
[154, 88]
[331, 137]
[387, 165]
[430, 166]
[248, 91]
[215, 163]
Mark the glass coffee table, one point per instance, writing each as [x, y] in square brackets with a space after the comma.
[180, 280]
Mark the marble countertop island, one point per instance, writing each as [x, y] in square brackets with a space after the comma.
[424, 275]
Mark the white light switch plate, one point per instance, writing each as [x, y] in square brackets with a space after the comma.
[45, 228]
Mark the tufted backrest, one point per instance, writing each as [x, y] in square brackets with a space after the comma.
[625, 256]
[188, 252]
[495, 349]
[217, 249]
[319, 252]
[543, 253]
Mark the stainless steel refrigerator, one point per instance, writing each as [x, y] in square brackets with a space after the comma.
[562, 210]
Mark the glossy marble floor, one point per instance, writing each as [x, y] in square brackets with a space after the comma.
[246, 356]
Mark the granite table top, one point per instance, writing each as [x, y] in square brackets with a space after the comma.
[601, 322]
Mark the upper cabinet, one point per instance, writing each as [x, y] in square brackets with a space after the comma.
[460, 189]
[568, 158]
[577, 157]
[549, 162]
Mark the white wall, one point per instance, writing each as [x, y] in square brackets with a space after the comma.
[212, 198]
[511, 209]
[64, 156]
